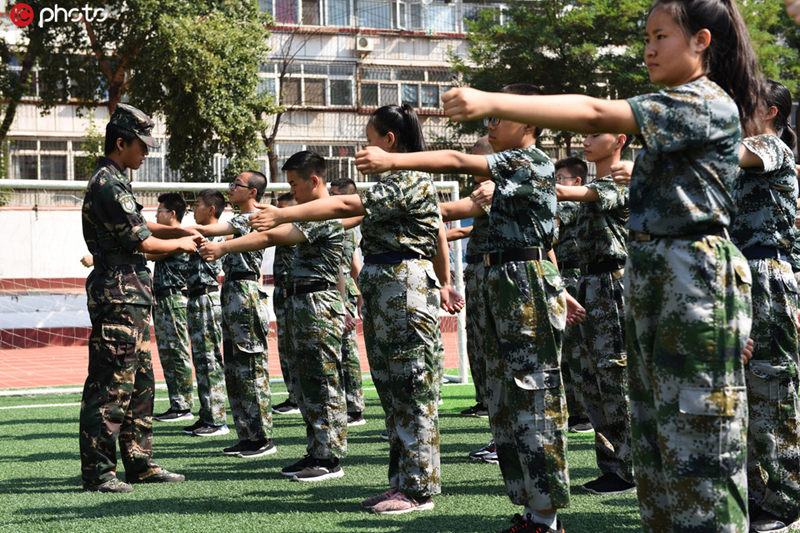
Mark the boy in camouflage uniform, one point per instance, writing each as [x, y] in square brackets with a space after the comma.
[117, 401]
[603, 383]
[169, 316]
[765, 193]
[315, 310]
[245, 326]
[351, 267]
[205, 325]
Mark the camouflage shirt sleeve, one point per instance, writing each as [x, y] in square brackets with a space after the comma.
[611, 194]
[239, 223]
[383, 200]
[119, 213]
[772, 152]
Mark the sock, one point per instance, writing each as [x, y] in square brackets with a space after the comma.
[549, 520]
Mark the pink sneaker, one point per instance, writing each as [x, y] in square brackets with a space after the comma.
[399, 503]
[371, 502]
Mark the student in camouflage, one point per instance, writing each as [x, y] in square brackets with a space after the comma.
[245, 326]
[117, 401]
[402, 234]
[204, 314]
[600, 221]
[687, 286]
[570, 171]
[765, 194]
[280, 274]
[525, 306]
[169, 316]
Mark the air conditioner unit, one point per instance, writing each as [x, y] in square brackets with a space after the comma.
[365, 45]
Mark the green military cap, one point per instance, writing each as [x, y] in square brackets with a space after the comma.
[135, 121]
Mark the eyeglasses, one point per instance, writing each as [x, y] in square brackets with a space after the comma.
[233, 185]
[491, 121]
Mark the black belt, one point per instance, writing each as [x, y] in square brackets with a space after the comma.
[514, 254]
[638, 236]
[472, 259]
[194, 293]
[568, 265]
[167, 291]
[390, 258]
[110, 260]
[763, 252]
[317, 286]
[602, 267]
[236, 276]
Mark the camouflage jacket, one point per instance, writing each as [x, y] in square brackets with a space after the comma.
[683, 178]
[349, 248]
[113, 225]
[320, 257]
[402, 215]
[601, 224]
[243, 262]
[566, 241]
[281, 264]
[201, 274]
[523, 211]
[170, 272]
[478, 238]
[766, 198]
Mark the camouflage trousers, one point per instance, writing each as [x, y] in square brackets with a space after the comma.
[475, 316]
[402, 336]
[314, 344]
[117, 401]
[172, 336]
[526, 315]
[205, 331]
[571, 352]
[244, 339]
[289, 373]
[687, 320]
[773, 439]
[351, 366]
[603, 378]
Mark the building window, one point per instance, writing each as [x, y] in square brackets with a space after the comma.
[310, 12]
[420, 88]
[311, 84]
[420, 15]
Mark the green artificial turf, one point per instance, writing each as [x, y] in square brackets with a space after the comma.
[40, 479]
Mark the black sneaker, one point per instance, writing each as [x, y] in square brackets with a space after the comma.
[478, 410]
[294, 468]
[519, 524]
[257, 448]
[579, 425]
[210, 430]
[355, 419]
[175, 415]
[608, 484]
[319, 470]
[286, 407]
[189, 430]
[235, 449]
[476, 455]
[161, 476]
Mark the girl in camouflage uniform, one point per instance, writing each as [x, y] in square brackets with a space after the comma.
[687, 286]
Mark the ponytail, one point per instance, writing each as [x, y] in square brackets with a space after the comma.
[730, 61]
[403, 122]
[776, 94]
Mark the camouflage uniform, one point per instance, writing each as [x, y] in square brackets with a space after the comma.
[280, 275]
[245, 325]
[526, 315]
[566, 247]
[117, 401]
[763, 228]
[315, 310]
[603, 379]
[171, 328]
[475, 315]
[351, 366]
[401, 323]
[687, 292]
[205, 331]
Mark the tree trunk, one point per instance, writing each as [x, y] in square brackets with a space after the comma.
[16, 94]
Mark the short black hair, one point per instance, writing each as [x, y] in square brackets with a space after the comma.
[258, 181]
[575, 165]
[114, 132]
[306, 164]
[174, 202]
[213, 198]
[285, 197]
[345, 185]
[525, 89]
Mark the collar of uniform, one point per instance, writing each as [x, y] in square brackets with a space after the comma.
[106, 162]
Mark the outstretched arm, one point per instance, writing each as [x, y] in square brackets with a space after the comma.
[341, 206]
[373, 160]
[576, 193]
[455, 234]
[214, 230]
[163, 231]
[571, 112]
[257, 240]
[748, 159]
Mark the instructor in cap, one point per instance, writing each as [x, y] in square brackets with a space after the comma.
[117, 402]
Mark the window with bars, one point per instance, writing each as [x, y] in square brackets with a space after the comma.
[339, 159]
[310, 12]
[310, 84]
[420, 88]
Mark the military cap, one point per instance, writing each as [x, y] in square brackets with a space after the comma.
[135, 121]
